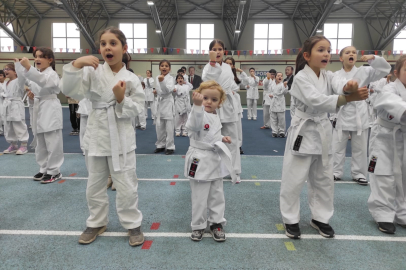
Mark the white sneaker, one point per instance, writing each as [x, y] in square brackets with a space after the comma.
[184, 134]
[177, 134]
[255, 119]
[22, 150]
[11, 149]
[249, 118]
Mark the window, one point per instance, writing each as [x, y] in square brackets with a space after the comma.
[65, 36]
[198, 37]
[136, 34]
[268, 37]
[6, 42]
[339, 34]
[399, 43]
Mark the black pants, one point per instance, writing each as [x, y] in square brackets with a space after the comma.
[73, 108]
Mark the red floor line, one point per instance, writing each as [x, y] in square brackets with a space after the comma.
[155, 226]
[147, 244]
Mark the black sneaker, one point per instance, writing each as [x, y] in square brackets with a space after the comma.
[324, 229]
[274, 135]
[38, 176]
[51, 178]
[292, 230]
[159, 150]
[361, 181]
[402, 225]
[217, 232]
[169, 152]
[197, 235]
[241, 152]
[336, 178]
[282, 135]
[386, 227]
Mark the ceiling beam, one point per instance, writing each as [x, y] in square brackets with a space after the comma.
[389, 38]
[12, 34]
[323, 16]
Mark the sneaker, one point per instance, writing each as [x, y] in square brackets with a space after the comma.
[361, 181]
[38, 176]
[11, 149]
[177, 134]
[402, 225]
[51, 178]
[292, 230]
[217, 232]
[169, 152]
[30, 127]
[184, 134]
[264, 127]
[109, 182]
[282, 135]
[22, 150]
[143, 128]
[241, 152]
[72, 133]
[158, 150]
[249, 118]
[255, 119]
[113, 188]
[274, 135]
[197, 235]
[386, 227]
[324, 229]
[136, 237]
[90, 234]
[336, 178]
[238, 179]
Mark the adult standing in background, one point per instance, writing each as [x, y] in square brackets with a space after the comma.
[194, 79]
[289, 76]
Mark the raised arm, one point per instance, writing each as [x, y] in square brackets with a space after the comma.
[211, 72]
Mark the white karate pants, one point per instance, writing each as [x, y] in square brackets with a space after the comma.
[252, 108]
[267, 115]
[320, 187]
[180, 120]
[140, 120]
[239, 126]
[278, 122]
[49, 152]
[149, 104]
[165, 136]
[16, 131]
[231, 129]
[31, 109]
[83, 125]
[359, 147]
[126, 183]
[207, 196]
[386, 204]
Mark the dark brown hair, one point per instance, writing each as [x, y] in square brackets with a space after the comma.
[126, 60]
[178, 76]
[214, 42]
[120, 35]
[399, 64]
[47, 54]
[11, 66]
[237, 81]
[307, 47]
[163, 61]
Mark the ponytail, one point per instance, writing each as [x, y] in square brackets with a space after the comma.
[300, 62]
[237, 81]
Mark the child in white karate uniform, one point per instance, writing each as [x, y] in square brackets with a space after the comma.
[47, 120]
[269, 83]
[117, 97]
[387, 167]
[164, 120]
[252, 82]
[353, 118]
[306, 158]
[15, 128]
[149, 95]
[278, 106]
[207, 161]
[2, 87]
[182, 105]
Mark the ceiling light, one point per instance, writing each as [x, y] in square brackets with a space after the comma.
[58, 2]
[158, 31]
[319, 31]
[150, 3]
[243, 2]
[237, 31]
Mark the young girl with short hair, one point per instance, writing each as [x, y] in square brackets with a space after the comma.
[182, 105]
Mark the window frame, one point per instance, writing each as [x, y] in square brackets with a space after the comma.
[77, 50]
[199, 39]
[401, 38]
[7, 37]
[337, 38]
[132, 39]
[280, 50]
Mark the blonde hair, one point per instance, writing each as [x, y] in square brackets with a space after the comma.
[399, 64]
[212, 85]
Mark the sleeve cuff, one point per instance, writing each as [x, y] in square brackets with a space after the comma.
[198, 109]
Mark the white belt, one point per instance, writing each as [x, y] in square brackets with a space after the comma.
[158, 109]
[37, 100]
[113, 130]
[397, 166]
[317, 119]
[7, 102]
[339, 127]
[221, 149]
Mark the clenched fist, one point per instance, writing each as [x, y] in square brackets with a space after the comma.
[119, 90]
[197, 99]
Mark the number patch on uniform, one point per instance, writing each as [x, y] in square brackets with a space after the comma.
[372, 164]
[298, 142]
[193, 167]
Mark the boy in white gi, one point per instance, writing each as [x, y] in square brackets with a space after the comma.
[252, 94]
[117, 97]
[278, 106]
[2, 87]
[15, 128]
[387, 166]
[47, 114]
[207, 161]
[269, 83]
[182, 105]
[306, 158]
[164, 120]
[352, 118]
[149, 95]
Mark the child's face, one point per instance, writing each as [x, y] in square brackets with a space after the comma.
[252, 72]
[111, 49]
[11, 74]
[164, 68]
[273, 75]
[2, 78]
[402, 74]
[41, 62]
[211, 99]
[228, 61]
[279, 77]
[320, 55]
[219, 50]
[149, 74]
[179, 80]
[349, 56]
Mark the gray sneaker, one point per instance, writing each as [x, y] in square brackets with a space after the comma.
[90, 234]
[136, 236]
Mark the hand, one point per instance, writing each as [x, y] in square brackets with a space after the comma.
[212, 55]
[197, 99]
[90, 60]
[77, 115]
[119, 90]
[154, 91]
[25, 63]
[271, 96]
[161, 78]
[239, 70]
[365, 58]
[285, 83]
[174, 90]
[360, 94]
[248, 86]
[268, 75]
[351, 86]
[16, 60]
[226, 139]
[30, 94]
[388, 77]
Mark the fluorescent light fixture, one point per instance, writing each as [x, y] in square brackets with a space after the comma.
[237, 31]
[319, 31]
[158, 31]
[150, 3]
[243, 2]
[58, 2]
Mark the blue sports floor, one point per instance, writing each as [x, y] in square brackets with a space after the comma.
[40, 224]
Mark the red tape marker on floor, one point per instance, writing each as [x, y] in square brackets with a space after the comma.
[72, 174]
[62, 181]
[173, 183]
[176, 176]
[155, 226]
[147, 245]
[183, 156]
